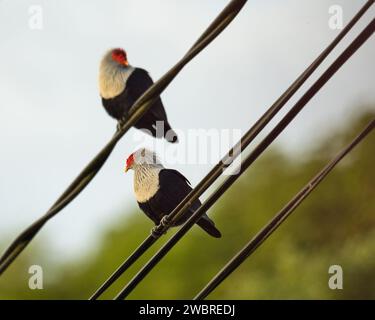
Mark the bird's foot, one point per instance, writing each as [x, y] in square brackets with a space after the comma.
[165, 222]
[162, 228]
[157, 231]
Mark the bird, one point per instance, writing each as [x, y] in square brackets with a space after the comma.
[121, 84]
[159, 190]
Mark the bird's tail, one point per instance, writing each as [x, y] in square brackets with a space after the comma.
[169, 134]
[209, 226]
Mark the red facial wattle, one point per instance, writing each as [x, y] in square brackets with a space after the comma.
[119, 55]
[129, 162]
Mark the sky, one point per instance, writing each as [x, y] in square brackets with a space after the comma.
[52, 122]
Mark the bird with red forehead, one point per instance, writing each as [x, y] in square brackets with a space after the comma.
[121, 84]
[159, 190]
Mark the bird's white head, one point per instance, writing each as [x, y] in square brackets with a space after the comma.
[143, 158]
[114, 71]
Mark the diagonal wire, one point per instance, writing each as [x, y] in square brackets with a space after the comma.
[348, 52]
[279, 218]
[249, 136]
[137, 110]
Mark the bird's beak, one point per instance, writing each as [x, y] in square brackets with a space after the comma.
[125, 63]
[126, 169]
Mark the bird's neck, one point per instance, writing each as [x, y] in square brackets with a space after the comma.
[146, 181]
[112, 79]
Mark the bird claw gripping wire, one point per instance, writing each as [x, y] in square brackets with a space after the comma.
[157, 231]
[165, 222]
[162, 228]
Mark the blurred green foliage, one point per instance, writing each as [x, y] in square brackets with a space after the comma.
[335, 225]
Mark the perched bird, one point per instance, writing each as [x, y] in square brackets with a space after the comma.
[159, 190]
[121, 84]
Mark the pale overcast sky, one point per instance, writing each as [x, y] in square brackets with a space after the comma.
[52, 122]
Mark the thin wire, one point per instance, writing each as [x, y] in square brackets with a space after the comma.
[348, 52]
[137, 110]
[249, 136]
[279, 218]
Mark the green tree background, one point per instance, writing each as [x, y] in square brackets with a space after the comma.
[335, 225]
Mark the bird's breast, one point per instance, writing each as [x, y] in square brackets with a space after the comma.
[112, 82]
[145, 187]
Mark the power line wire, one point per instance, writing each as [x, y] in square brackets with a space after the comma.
[137, 110]
[348, 52]
[279, 218]
[211, 177]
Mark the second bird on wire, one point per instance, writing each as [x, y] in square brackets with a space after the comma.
[159, 190]
[121, 85]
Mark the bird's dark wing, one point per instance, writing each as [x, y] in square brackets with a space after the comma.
[150, 212]
[137, 84]
[174, 175]
[174, 187]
